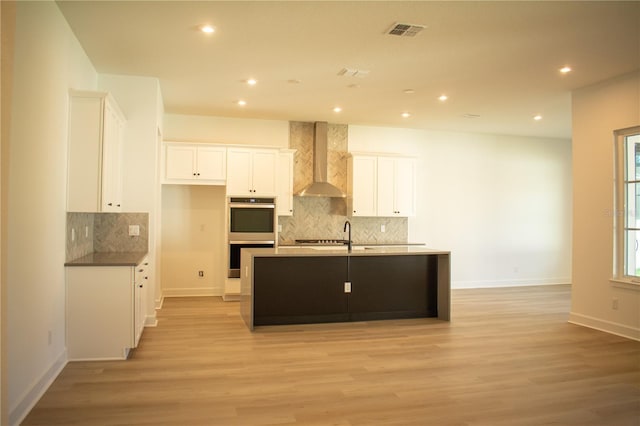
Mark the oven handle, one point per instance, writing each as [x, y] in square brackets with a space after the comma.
[252, 206]
[253, 242]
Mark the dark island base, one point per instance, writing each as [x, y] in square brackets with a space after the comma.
[299, 290]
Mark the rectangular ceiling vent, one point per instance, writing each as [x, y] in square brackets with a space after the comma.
[405, 30]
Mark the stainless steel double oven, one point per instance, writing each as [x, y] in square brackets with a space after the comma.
[252, 223]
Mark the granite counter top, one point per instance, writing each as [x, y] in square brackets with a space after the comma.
[109, 259]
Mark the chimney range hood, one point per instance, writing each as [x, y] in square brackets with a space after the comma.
[320, 186]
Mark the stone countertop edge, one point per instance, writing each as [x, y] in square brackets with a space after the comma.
[310, 252]
[109, 259]
[290, 244]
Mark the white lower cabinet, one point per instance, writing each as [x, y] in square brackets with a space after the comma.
[105, 310]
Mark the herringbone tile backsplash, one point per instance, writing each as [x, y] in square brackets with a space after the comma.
[323, 218]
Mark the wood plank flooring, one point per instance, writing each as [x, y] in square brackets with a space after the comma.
[508, 357]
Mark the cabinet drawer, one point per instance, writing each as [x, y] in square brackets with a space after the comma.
[141, 272]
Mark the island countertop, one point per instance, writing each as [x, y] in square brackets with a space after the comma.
[313, 251]
[109, 259]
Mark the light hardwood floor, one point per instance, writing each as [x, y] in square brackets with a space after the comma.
[508, 357]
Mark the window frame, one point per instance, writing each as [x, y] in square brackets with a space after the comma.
[620, 278]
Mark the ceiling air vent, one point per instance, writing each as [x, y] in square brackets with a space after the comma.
[405, 30]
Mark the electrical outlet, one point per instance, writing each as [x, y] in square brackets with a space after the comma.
[614, 303]
[134, 230]
[86, 231]
[347, 287]
[73, 234]
[383, 228]
[201, 274]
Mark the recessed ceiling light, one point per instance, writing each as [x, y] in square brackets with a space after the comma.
[337, 109]
[537, 117]
[565, 69]
[208, 29]
[406, 114]
[294, 81]
[409, 91]
[252, 82]
[242, 102]
[443, 97]
[353, 86]
[469, 115]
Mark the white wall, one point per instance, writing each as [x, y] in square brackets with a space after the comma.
[597, 111]
[240, 131]
[7, 27]
[501, 204]
[139, 98]
[48, 61]
[193, 228]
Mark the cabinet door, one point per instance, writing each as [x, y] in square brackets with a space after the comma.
[111, 197]
[239, 172]
[263, 172]
[100, 312]
[180, 162]
[386, 187]
[363, 182]
[211, 163]
[384, 287]
[85, 151]
[285, 184]
[405, 186]
[311, 290]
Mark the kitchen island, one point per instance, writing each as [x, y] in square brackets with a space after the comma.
[312, 285]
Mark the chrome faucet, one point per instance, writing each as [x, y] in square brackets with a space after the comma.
[348, 242]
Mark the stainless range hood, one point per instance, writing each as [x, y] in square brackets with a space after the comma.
[320, 186]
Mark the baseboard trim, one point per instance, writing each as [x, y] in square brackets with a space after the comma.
[151, 320]
[508, 283]
[605, 326]
[231, 297]
[159, 302]
[187, 292]
[31, 397]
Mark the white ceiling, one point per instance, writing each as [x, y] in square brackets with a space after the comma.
[498, 60]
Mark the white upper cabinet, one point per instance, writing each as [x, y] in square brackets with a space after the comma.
[381, 185]
[285, 184]
[251, 171]
[195, 164]
[96, 135]
[396, 186]
[361, 185]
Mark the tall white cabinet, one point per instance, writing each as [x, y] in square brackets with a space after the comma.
[96, 134]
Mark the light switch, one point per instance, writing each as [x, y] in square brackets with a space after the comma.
[347, 287]
[134, 230]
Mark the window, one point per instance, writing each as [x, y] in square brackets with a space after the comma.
[627, 205]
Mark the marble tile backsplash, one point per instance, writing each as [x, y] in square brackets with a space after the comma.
[319, 217]
[105, 232]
